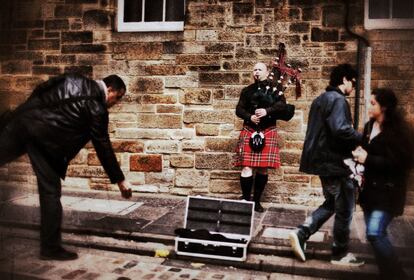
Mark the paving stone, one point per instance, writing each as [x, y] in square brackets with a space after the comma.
[282, 276]
[166, 275]
[90, 276]
[161, 229]
[124, 224]
[148, 276]
[176, 216]
[149, 212]
[173, 269]
[283, 233]
[107, 276]
[42, 269]
[148, 266]
[134, 272]
[86, 204]
[284, 217]
[59, 272]
[73, 274]
[105, 206]
[118, 270]
[130, 264]
[398, 233]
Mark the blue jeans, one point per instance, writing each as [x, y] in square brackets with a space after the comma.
[377, 222]
[339, 193]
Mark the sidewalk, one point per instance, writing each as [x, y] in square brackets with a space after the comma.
[150, 220]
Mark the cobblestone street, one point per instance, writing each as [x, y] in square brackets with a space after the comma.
[117, 238]
[19, 260]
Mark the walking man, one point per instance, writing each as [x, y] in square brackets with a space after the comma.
[330, 138]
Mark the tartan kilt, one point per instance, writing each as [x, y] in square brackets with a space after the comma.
[268, 157]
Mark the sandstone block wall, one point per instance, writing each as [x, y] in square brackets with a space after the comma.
[176, 129]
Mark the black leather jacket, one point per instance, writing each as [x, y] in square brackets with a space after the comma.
[251, 98]
[62, 115]
[386, 173]
[330, 137]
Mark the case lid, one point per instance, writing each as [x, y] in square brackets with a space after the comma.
[219, 215]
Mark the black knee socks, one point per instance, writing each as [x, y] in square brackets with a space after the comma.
[246, 184]
[259, 185]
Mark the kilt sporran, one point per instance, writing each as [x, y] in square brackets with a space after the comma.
[268, 156]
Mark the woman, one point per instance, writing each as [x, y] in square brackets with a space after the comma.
[387, 153]
[259, 110]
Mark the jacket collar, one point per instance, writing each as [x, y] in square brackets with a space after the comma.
[103, 88]
[331, 88]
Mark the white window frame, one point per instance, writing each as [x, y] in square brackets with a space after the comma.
[142, 26]
[390, 23]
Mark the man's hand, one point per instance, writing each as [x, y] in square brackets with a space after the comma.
[125, 189]
[255, 119]
[360, 155]
[260, 112]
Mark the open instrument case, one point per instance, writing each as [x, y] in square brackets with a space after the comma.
[216, 228]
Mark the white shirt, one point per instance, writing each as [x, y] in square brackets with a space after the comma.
[103, 85]
[375, 131]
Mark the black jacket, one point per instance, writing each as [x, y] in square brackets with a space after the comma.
[386, 173]
[62, 115]
[330, 137]
[251, 98]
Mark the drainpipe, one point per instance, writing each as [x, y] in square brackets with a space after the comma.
[367, 81]
[367, 68]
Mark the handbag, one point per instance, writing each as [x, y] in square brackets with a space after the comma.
[257, 141]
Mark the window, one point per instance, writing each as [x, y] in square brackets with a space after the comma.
[151, 15]
[389, 14]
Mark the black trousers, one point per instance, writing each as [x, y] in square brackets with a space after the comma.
[14, 143]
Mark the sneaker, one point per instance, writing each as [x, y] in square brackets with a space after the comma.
[298, 245]
[59, 254]
[348, 260]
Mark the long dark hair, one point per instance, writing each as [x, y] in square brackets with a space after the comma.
[396, 129]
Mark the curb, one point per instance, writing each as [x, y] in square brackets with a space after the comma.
[257, 262]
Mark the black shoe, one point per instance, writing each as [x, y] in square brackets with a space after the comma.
[298, 245]
[59, 254]
[258, 207]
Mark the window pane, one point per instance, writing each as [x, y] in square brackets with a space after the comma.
[379, 9]
[133, 10]
[153, 10]
[175, 10]
[403, 9]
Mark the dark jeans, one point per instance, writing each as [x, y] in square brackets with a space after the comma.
[377, 222]
[13, 144]
[339, 193]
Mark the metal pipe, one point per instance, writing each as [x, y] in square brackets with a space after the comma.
[361, 40]
[357, 86]
[367, 81]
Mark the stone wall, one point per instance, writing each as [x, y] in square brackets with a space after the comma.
[176, 129]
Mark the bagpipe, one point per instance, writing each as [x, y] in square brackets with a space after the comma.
[280, 77]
